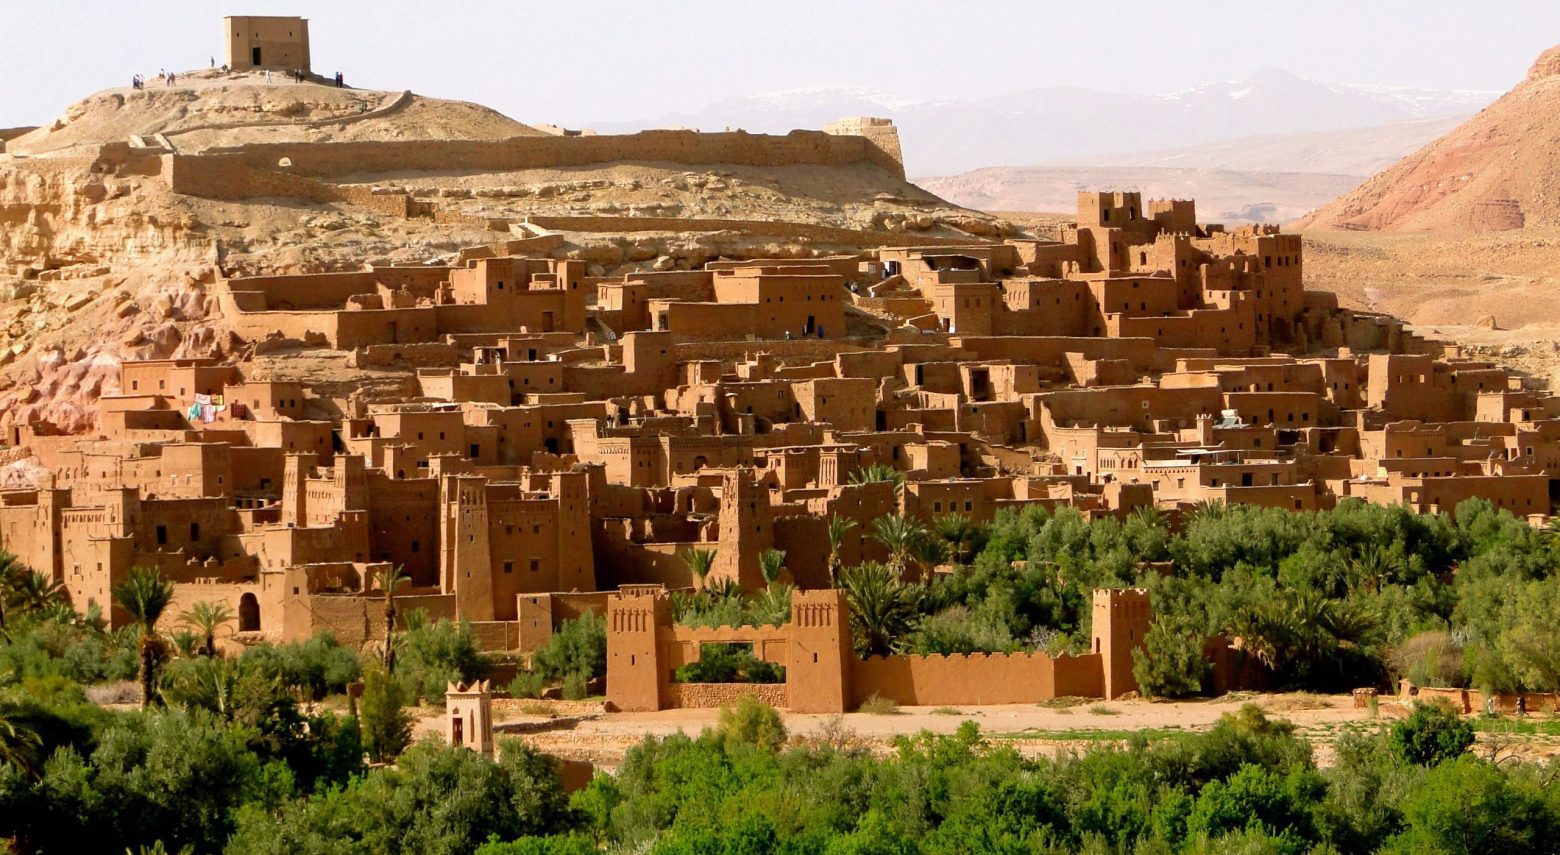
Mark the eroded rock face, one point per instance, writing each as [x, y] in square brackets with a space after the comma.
[1499, 171]
[1548, 65]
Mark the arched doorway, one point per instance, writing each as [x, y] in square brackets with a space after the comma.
[248, 613]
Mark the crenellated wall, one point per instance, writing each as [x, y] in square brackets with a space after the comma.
[823, 675]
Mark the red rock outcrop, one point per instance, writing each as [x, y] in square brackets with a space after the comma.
[1499, 170]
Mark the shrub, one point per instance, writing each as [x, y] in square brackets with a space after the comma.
[1432, 733]
[1430, 658]
[728, 663]
[576, 687]
[879, 705]
[527, 684]
[750, 721]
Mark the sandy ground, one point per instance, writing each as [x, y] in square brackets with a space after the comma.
[582, 731]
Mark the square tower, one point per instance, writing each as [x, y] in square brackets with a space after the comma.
[1121, 618]
[264, 41]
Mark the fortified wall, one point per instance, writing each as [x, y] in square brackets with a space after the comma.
[823, 674]
[798, 148]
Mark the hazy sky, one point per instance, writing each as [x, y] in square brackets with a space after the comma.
[575, 61]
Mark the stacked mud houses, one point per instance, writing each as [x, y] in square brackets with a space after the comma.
[527, 442]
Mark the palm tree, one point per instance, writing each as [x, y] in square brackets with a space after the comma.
[206, 617]
[770, 563]
[19, 742]
[699, 562]
[899, 533]
[391, 578]
[145, 596]
[1375, 566]
[877, 472]
[929, 553]
[958, 531]
[881, 607]
[1209, 509]
[24, 590]
[838, 527]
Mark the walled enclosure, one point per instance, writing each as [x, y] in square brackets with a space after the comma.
[823, 674]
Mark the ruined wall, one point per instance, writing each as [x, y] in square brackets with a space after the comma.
[711, 695]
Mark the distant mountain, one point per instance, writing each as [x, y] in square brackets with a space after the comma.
[1355, 151]
[1051, 123]
[1223, 196]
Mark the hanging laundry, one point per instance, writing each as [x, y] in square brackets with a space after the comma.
[193, 412]
[216, 401]
[203, 399]
[208, 414]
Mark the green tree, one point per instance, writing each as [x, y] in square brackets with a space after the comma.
[1529, 641]
[1433, 733]
[145, 596]
[1465, 805]
[1170, 662]
[578, 647]
[386, 727]
[437, 653]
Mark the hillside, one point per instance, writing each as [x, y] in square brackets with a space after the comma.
[1499, 170]
[212, 108]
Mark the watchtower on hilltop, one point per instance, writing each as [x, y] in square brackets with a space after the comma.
[267, 41]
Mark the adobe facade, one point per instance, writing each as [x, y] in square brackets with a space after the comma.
[537, 442]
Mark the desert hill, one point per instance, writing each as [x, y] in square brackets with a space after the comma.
[211, 108]
[1499, 170]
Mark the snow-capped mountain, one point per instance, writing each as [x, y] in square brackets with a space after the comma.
[1066, 122]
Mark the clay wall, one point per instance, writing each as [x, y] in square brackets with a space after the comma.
[1014, 678]
[335, 160]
